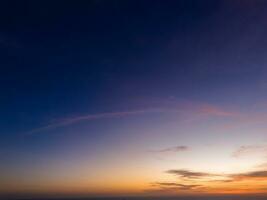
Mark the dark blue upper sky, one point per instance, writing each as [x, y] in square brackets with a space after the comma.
[60, 58]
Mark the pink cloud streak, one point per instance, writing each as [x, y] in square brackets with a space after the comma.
[173, 107]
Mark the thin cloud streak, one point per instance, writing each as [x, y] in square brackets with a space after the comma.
[189, 174]
[176, 186]
[250, 175]
[215, 111]
[92, 117]
[178, 107]
[249, 150]
[175, 149]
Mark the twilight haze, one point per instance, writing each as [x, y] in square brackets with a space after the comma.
[133, 98]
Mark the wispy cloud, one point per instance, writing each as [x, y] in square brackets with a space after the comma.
[176, 186]
[200, 177]
[172, 188]
[250, 175]
[189, 174]
[262, 166]
[216, 111]
[196, 108]
[249, 150]
[198, 181]
[173, 106]
[174, 149]
[91, 117]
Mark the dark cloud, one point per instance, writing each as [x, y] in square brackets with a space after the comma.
[189, 174]
[249, 175]
[187, 182]
[176, 186]
[173, 149]
[227, 180]
[223, 178]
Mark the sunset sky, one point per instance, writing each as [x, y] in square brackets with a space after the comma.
[137, 98]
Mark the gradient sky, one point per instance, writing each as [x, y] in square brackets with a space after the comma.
[133, 97]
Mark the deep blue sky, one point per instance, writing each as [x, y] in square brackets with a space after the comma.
[63, 60]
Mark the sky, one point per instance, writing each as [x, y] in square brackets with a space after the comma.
[141, 98]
